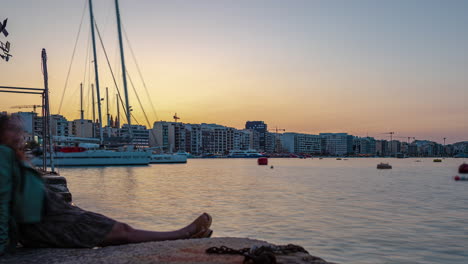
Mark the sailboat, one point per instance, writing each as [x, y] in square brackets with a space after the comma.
[86, 154]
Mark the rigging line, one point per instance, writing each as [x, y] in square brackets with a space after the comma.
[88, 44]
[88, 103]
[72, 57]
[138, 98]
[88, 81]
[110, 68]
[139, 73]
[84, 82]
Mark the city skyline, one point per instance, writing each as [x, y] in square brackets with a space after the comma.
[305, 66]
[382, 136]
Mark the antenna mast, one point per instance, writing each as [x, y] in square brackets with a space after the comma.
[96, 75]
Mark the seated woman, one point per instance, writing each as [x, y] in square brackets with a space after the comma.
[58, 223]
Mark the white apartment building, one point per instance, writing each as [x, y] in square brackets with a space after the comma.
[193, 142]
[170, 136]
[139, 137]
[81, 128]
[241, 139]
[59, 126]
[301, 143]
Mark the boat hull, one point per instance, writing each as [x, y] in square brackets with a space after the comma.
[168, 158]
[96, 158]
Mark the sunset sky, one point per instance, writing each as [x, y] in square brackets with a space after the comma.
[362, 67]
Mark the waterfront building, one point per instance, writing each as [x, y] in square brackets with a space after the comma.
[162, 135]
[301, 143]
[193, 139]
[394, 147]
[139, 137]
[381, 148]
[404, 147]
[170, 136]
[288, 142]
[59, 126]
[27, 120]
[179, 139]
[261, 128]
[364, 146]
[459, 148]
[337, 144]
[270, 142]
[413, 150]
[81, 128]
[217, 139]
[241, 139]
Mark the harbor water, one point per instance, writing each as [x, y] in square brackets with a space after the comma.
[344, 211]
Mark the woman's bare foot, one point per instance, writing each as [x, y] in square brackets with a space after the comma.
[199, 228]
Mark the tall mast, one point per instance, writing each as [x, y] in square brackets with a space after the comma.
[118, 111]
[81, 102]
[124, 72]
[96, 75]
[107, 104]
[108, 114]
[94, 110]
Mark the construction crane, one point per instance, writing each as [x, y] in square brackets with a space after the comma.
[176, 117]
[277, 139]
[279, 129]
[27, 106]
[407, 138]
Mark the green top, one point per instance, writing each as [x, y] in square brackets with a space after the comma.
[21, 196]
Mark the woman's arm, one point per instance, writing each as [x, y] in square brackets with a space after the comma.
[6, 178]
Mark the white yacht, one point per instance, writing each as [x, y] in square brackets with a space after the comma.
[250, 153]
[93, 156]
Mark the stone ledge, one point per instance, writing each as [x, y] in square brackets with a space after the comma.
[179, 251]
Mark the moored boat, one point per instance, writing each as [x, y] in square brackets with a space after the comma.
[250, 153]
[383, 166]
[80, 156]
[463, 168]
[168, 158]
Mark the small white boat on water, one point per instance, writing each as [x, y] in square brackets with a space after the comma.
[250, 153]
[168, 158]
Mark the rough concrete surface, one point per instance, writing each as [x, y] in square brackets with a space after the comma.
[179, 251]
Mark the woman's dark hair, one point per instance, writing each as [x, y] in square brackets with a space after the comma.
[11, 124]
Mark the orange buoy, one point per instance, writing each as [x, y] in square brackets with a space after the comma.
[262, 161]
[463, 168]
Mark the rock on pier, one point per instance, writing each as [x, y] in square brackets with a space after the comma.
[178, 251]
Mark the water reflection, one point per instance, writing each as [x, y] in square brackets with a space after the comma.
[343, 211]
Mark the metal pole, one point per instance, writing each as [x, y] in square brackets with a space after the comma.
[96, 75]
[47, 106]
[44, 135]
[124, 72]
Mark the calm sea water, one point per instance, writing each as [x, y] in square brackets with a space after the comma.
[341, 210]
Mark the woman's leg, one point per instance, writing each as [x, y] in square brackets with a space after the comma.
[122, 233]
